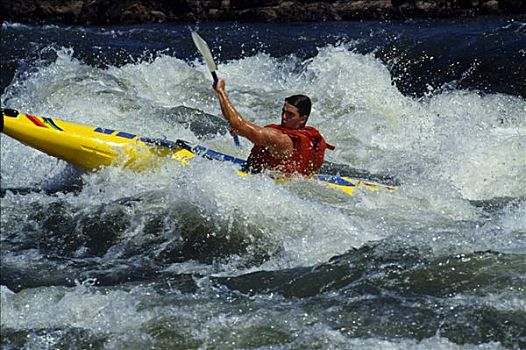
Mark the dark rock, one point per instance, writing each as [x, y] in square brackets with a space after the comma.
[139, 11]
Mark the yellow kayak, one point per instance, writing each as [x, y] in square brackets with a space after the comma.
[92, 147]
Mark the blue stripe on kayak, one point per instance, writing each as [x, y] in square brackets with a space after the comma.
[146, 139]
[333, 179]
[205, 152]
[160, 142]
[166, 143]
[125, 135]
[199, 150]
[104, 131]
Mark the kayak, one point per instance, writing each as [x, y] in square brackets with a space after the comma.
[93, 147]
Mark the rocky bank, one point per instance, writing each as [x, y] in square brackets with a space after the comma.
[88, 12]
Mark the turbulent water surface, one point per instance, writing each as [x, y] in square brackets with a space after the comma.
[197, 257]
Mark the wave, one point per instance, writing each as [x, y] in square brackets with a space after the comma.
[449, 148]
[186, 255]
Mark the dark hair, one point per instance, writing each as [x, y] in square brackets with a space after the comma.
[301, 102]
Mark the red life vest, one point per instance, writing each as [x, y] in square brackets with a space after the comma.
[307, 155]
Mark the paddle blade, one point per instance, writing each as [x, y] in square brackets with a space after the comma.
[203, 48]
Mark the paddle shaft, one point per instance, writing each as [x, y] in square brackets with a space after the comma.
[216, 79]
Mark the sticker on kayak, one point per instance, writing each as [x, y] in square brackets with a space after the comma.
[45, 123]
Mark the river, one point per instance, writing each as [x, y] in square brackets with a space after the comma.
[199, 258]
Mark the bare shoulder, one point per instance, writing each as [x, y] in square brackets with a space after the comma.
[278, 141]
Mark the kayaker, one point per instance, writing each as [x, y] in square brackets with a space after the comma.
[289, 148]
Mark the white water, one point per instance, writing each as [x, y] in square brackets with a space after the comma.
[446, 148]
[120, 317]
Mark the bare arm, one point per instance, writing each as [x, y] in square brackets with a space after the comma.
[277, 142]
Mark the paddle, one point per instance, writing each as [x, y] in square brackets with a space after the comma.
[203, 48]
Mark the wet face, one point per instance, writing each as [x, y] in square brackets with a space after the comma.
[291, 118]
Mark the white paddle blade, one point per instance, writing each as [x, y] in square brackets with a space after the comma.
[202, 46]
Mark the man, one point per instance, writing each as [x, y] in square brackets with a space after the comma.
[289, 148]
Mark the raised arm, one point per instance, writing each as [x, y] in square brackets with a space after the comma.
[277, 142]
